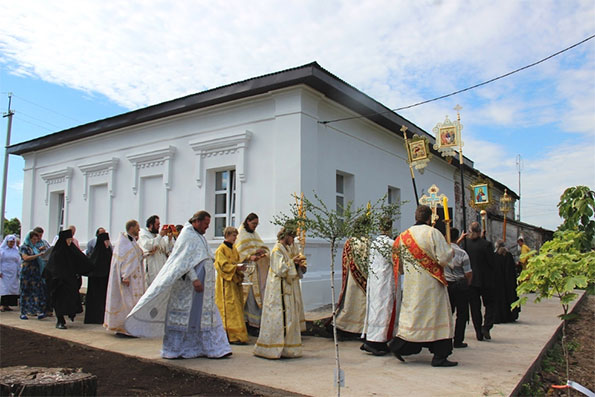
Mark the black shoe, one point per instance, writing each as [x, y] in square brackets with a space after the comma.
[71, 317]
[371, 349]
[479, 335]
[443, 362]
[398, 356]
[393, 346]
[460, 345]
[61, 326]
[253, 331]
[486, 334]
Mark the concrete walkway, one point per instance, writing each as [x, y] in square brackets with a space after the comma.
[492, 368]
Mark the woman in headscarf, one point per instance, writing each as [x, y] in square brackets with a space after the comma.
[33, 300]
[65, 266]
[10, 263]
[101, 258]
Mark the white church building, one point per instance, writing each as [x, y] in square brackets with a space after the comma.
[241, 148]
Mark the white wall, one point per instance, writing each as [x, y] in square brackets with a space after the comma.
[274, 142]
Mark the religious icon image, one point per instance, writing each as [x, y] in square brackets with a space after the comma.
[418, 150]
[480, 194]
[448, 136]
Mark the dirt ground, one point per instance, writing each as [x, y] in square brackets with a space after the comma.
[122, 375]
[117, 375]
[581, 332]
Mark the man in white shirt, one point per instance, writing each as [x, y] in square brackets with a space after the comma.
[156, 245]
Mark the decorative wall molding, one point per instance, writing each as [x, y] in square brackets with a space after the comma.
[102, 168]
[159, 158]
[234, 144]
[62, 176]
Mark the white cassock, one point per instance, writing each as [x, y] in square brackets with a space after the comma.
[380, 292]
[189, 320]
[126, 264]
[154, 261]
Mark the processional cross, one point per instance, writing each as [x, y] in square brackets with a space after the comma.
[432, 200]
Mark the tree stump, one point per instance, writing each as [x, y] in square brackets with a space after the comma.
[41, 381]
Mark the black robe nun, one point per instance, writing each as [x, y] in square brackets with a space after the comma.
[64, 270]
[97, 281]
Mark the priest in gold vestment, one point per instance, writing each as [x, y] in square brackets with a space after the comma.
[228, 288]
[283, 309]
[252, 249]
[425, 319]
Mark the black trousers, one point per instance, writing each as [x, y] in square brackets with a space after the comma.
[476, 296]
[9, 300]
[441, 348]
[458, 293]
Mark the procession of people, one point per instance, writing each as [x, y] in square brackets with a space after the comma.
[397, 295]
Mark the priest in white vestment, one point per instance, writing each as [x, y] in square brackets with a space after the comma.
[157, 245]
[425, 319]
[252, 249]
[283, 310]
[180, 303]
[381, 308]
[126, 282]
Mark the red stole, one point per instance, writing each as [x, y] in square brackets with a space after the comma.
[348, 264]
[426, 262]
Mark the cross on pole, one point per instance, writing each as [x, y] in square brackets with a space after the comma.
[432, 200]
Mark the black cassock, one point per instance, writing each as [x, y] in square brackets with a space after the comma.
[101, 257]
[63, 274]
[505, 275]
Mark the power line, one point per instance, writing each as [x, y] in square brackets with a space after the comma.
[46, 108]
[464, 89]
[35, 118]
[35, 124]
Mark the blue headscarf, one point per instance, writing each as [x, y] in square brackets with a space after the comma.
[29, 244]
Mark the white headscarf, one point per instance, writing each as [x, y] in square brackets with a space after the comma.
[4, 246]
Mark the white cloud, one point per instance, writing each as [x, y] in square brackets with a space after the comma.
[543, 178]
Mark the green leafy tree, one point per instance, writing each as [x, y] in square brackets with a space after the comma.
[577, 207]
[335, 226]
[12, 226]
[560, 267]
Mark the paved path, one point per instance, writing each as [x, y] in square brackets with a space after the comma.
[491, 368]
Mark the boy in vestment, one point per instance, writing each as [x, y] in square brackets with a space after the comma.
[228, 288]
[282, 309]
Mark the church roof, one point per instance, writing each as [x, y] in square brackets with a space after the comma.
[311, 75]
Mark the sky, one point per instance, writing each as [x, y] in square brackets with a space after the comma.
[68, 63]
